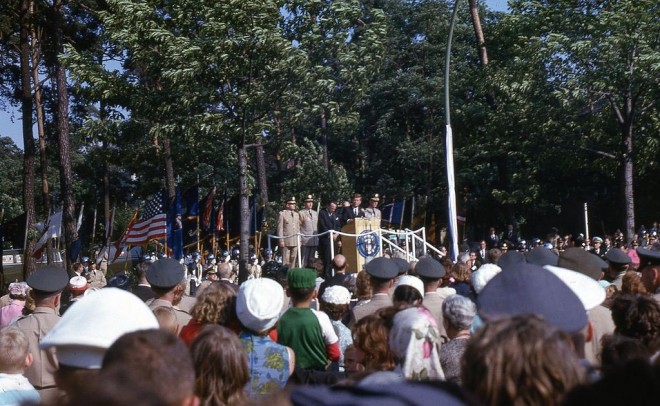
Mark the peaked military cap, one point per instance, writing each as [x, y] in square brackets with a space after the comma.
[382, 268]
[165, 273]
[542, 256]
[616, 256]
[402, 264]
[510, 259]
[49, 279]
[578, 260]
[649, 256]
[530, 289]
[428, 267]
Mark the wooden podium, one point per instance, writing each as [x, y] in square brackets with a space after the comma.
[361, 249]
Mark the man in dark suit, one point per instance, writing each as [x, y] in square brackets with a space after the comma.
[482, 252]
[354, 210]
[328, 220]
[493, 240]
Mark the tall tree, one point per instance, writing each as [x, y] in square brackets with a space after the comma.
[28, 136]
[598, 54]
[344, 43]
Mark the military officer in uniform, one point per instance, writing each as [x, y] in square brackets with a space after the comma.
[373, 210]
[166, 277]
[431, 272]
[619, 263]
[288, 225]
[649, 264]
[96, 276]
[382, 272]
[309, 219]
[47, 285]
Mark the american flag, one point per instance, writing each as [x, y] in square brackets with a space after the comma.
[152, 225]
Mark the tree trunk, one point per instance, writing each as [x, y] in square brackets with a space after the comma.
[628, 191]
[245, 215]
[66, 178]
[261, 175]
[170, 183]
[38, 106]
[478, 33]
[324, 140]
[106, 197]
[28, 140]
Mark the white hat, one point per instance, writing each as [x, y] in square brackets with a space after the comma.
[589, 291]
[481, 276]
[336, 294]
[78, 283]
[94, 323]
[413, 281]
[259, 303]
[18, 288]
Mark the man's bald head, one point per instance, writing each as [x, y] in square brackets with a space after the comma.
[224, 270]
[339, 263]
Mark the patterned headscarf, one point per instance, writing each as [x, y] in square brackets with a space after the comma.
[415, 342]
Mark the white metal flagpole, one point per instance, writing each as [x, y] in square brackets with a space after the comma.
[453, 224]
[586, 221]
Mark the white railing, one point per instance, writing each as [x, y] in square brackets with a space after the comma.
[410, 237]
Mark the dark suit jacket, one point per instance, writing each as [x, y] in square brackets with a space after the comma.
[328, 221]
[340, 279]
[143, 292]
[348, 214]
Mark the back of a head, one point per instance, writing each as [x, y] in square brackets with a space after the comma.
[224, 270]
[221, 366]
[459, 311]
[14, 349]
[216, 304]
[617, 350]
[117, 386]
[339, 263]
[520, 360]
[638, 317]
[157, 359]
[141, 270]
[370, 336]
[414, 341]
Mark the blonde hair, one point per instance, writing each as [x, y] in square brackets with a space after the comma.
[166, 317]
[216, 305]
[14, 345]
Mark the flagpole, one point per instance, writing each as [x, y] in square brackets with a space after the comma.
[198, 209]
[110, 228]
[214, 226]
[128, 251]
[94, 226]
[449, 142]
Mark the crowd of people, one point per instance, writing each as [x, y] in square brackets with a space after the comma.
[541, 326]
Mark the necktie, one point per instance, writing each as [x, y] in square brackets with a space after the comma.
[355, 211]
